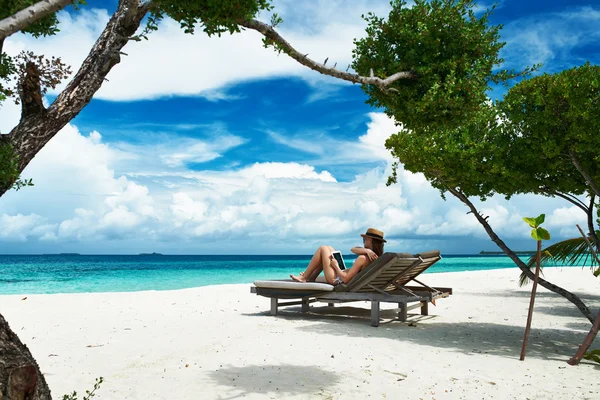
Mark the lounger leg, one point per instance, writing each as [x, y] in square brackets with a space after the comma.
[374, 313]
[273, 305]
[305, 304]
[403, 314]
[424, 308]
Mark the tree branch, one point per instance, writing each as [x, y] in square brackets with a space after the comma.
[571, 199]
[590, 222]
[522, 266]
[584, 173]
[30, 92]
[144, 7]
[268, 32]
[29, 15]
[34, 131]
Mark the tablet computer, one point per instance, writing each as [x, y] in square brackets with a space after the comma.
[340, 260]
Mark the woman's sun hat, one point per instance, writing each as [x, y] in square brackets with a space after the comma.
[374, 234]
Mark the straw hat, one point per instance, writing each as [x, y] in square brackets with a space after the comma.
[374, 234]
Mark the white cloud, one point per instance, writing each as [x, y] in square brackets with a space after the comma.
[567, 216]
[78, 198]
[20, 227]
[272, 170]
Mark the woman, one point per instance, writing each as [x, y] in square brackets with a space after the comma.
[323, 260]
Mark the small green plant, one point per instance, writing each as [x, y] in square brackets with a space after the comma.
[593, 355]
[88, 394]
[539, 234]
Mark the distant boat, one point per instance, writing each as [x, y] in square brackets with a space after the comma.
[150, 254]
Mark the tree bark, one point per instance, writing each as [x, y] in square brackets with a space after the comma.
[587, 342]
[590, 222]
[522, 266]
[37, 128]
[29, 15]
[268, 32]
[532, 299]
[20, 375]
[584, 173]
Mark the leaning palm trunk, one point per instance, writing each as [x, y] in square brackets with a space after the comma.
[520, 264]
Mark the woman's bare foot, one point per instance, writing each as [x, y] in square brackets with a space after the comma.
[298, 279]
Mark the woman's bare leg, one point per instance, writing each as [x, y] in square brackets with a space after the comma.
[316, 265]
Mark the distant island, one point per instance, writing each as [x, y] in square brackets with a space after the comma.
[61, 254]
[150, 254]
[501, 253]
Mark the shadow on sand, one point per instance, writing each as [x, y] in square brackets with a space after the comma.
[463, 337]
[283, 380]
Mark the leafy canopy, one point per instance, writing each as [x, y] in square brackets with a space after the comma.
[558, 118]
[450, 50]
[214, 16]
[465, 156]
[521, 144]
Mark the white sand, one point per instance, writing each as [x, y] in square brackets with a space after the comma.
[219, 342]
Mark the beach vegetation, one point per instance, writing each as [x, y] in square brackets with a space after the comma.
[538, 234]
[593, 355]
[453, 54]
[541, 138]
[9, 172]
[88, 393]
[573, 251]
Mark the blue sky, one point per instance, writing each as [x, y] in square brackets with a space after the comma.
[219, 146]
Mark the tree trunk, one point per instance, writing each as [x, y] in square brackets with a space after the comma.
[522, 266]
[587, 342]
[38, 126]
[20, 376]
[590, 222]
[532, 299]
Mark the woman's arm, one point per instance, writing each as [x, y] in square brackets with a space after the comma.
[364, 251]
[358, 250]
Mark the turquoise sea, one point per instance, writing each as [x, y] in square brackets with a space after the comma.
[35, 274]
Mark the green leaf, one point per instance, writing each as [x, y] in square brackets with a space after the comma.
[540, 234]
[547, 253]
[530, 221]
[540, 219]
[544, 234]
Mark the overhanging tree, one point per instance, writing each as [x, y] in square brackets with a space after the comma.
[447, 60]
[541, 139]
[214, 17]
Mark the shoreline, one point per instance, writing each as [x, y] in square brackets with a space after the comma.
[219, 341]
[427, 273]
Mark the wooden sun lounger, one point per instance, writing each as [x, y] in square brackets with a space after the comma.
[384, 280]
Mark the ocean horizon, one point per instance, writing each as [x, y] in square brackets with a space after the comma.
[83, 273]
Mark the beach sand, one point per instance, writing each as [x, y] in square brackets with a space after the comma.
[219, 342]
